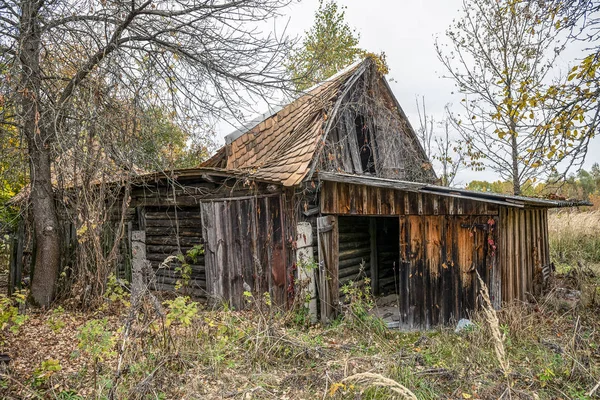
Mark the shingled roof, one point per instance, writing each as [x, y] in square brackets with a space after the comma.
[281, 147]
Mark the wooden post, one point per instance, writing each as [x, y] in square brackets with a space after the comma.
[13, 265]
[138, 262]
[16, 259]
[305, 263]
[327, 231]
[374, 263]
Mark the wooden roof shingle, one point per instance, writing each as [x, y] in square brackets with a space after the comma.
[280, 148]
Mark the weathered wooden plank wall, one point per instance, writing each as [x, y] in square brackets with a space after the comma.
[443, 241]
[327, 231]
[244, 249]
[524, 250]
[440, 255]
[352, 199]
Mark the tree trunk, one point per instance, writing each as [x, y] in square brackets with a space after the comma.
[47, 257]
[515, 161]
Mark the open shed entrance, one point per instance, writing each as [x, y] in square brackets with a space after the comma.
[370, 247]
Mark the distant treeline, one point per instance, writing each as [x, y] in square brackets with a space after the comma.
[583, 185]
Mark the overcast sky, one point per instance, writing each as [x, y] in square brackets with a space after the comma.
[405, 30]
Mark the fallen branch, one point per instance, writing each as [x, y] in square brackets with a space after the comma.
[591, 392]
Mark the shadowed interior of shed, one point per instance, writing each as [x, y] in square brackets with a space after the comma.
[369, 247]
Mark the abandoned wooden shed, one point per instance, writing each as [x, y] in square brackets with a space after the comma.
[338, 176]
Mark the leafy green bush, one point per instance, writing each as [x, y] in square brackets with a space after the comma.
[181, 310]
[9, 312]
[96, 339]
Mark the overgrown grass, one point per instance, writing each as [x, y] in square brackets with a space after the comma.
[175, 348]
[574, 236]
[192, 352]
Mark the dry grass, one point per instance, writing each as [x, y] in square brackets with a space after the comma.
[574, 236]
[549, 349]
[377, 380]
[261, 354]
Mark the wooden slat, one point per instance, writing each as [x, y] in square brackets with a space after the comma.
[328, 266]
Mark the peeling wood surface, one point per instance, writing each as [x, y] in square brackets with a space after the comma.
[439, 258]
[353, 199]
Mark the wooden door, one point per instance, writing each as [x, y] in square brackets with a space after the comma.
[327, 231]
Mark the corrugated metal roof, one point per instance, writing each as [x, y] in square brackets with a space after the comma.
[496, 198]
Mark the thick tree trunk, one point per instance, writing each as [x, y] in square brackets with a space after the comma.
[42, 198]
[47, 257]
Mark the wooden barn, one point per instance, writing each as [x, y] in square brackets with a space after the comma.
[338, 177]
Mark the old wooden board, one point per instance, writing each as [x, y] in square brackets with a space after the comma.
[327, 231]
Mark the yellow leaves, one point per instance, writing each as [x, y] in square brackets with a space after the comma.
[335, 387]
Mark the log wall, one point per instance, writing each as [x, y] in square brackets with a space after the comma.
[354, 249]
[242, 228]
[171, 231]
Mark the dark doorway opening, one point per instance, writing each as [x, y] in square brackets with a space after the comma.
[369, 247]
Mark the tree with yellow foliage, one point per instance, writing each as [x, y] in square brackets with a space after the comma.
[501, 55]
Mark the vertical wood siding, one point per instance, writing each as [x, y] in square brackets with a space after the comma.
[523, 244]
[439, 257]
[245, 249]
[352, 199]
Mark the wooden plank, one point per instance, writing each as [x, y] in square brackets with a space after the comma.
[189, 241]
[170, 215]
[210, 247]
[352, 142]
[345, 152]
[328, 266]
[433, 260]
[544, 218]
[182, 222]
[465, 247]
[529, 249]
[278, 260]
[173, 230]
[513, 255]
[247, 241]
[418, 296]
[404, 280]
